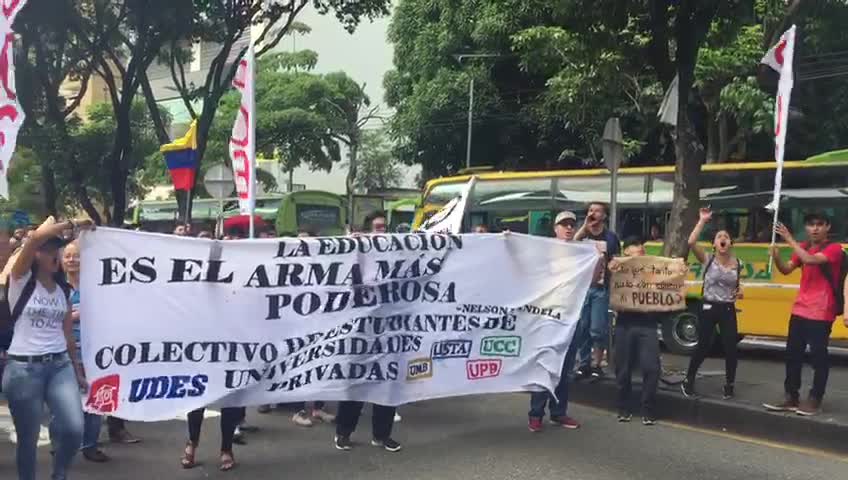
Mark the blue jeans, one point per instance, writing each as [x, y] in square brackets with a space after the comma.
[28, 386]
[91, 430]
[558, 409]
[595, 324]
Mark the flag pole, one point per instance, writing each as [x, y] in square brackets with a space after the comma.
[251, 132]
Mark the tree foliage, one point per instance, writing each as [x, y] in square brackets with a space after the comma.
[378, 169]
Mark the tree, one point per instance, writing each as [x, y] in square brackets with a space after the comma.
[301, 116]
[225, 23]
[378, 167]
[429, 87]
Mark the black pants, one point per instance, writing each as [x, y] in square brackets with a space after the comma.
[115, 425]
[816, 334]
[723, 315]
[382, 419]
[230, 418]
[637, 343]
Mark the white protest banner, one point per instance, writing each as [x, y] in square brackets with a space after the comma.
[780, 58]
[243, 137]
[11, 113]
[648, 284]
[172, 324]
[449, 218]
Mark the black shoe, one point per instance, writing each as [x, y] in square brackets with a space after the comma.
[389, 444]
[728, 392]
[688, 388]
[582, 374]
[648, 421]
[597, 374]
[624, 417]
[343, 442]
[95, 455]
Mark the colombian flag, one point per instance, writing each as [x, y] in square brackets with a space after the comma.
[181, 158]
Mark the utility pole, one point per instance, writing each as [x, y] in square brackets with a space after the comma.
[460, 58]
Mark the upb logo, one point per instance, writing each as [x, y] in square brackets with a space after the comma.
[477, 369]
[419, 369]
[103, 394]
[506, 346]
[451, 349]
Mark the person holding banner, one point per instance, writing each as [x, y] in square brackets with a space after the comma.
[720, 290]
[813, 313]
[42, 359]
[565, 226]
[93, 421]
[383, 417]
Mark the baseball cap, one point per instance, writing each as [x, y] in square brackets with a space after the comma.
[816, 215]
[563, 216]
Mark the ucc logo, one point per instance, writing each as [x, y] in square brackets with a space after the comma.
[419, 369]
[505, 346]
[451, 349]
[477, 369]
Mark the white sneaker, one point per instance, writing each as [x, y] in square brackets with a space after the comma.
[323, 416]
[301, 419]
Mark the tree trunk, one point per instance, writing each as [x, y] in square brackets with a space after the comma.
[119, 161]
[48, 187]
[350, 181]
[713, 141]
[724, 141]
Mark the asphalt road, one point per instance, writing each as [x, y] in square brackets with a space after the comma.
[463, 438]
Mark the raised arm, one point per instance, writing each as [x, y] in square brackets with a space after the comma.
[49, 229]
[697, 250]
[803, 255]
[783, 267]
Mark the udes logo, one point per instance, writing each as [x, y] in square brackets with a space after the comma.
[103, 394]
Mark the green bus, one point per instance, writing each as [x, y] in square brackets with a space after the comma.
[321, 213]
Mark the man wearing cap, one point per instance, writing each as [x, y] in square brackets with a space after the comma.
[813, 312]
[565, 226]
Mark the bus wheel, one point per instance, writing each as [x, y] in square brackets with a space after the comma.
[680, 332]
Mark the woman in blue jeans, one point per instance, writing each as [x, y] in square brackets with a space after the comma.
[42, 367]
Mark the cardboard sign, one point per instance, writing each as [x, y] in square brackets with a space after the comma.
[648, 284]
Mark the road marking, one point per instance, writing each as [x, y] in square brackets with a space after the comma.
[741, 438]
[760, 442]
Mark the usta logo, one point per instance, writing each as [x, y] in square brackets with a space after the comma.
[103, 394]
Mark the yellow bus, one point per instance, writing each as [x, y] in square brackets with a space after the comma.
[526, 201]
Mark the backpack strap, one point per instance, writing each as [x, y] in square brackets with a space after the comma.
[26, 293]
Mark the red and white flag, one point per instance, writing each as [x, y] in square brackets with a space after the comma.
[780, 58]
[243, 137]
[11, 113]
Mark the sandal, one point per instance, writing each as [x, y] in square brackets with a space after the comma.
[228, 461]
[188, 456]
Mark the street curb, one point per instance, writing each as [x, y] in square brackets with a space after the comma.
[726, 416]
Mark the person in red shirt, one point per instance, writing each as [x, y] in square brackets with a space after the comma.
[813, 312]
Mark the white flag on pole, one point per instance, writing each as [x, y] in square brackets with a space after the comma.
[780, 58]
[11, 113]
[243, 138]
[449, 218]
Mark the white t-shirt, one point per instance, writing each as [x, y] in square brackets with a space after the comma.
[39, 330]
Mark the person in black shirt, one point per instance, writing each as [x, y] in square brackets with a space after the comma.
[636, 342]
[594, 318]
